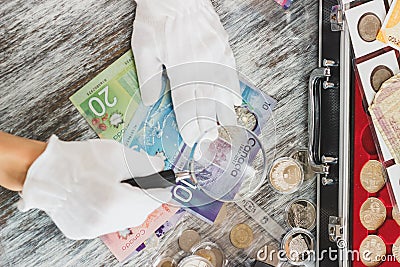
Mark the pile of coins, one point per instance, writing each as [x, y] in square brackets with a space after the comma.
[206, 254]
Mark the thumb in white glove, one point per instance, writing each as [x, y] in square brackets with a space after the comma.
[78, 185]
[187, 37]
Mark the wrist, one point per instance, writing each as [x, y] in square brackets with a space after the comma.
[16, 156]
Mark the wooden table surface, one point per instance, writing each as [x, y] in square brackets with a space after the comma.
[50, 49]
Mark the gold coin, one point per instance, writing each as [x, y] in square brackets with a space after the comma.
[166, 263]
[208, 254]
[372, 176]
[241, 236]
[188, 239]
[396, 214]
[372, 213]
[223, 212]
[396, 249]
[372, 250]
[369, 26]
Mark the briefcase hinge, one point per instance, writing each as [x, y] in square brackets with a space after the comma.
[336, 18]
[335, 228]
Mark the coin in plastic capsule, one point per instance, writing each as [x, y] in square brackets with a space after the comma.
[188, 239]
[286, 175]
[194, 261]
[166, 262]
[301, 213]
[298, 245]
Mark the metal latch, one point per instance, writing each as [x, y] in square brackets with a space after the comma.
[335, 228]
[336, 18]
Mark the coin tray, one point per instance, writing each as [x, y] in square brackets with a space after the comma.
[353, 16]
[389, 58]
[364, 151]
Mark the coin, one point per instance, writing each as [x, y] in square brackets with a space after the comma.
[396, 214]
[219, 257]
[298, 245]
[286, 175]
[223, 212]
[188, 239]
[372, 249]
[369, 26]
[194, 261]
[241, 236]
[246, 118]
[379, 75]
[301, 213]
[167, 262]
[372, 176]
[372, 213]
[396, 249]
[208, 254]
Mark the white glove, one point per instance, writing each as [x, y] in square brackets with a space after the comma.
[78, 185]
[187, 37]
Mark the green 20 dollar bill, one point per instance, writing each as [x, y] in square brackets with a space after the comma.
[104, 100]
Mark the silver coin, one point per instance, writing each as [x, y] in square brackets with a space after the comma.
[379, 75]
[188, 239]
[301, 213]
[246, 118]
[369, 26]
[286, 175]
[298, 245]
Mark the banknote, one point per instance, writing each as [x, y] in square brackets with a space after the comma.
[390, 30]
[125, 243]
[385, 113]
[102, 101]
[154, 129]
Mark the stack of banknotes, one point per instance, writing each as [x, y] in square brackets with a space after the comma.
[111, 104]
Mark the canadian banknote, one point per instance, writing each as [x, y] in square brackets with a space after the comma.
[103, 100]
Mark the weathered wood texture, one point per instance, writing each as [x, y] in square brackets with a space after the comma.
[49, 49]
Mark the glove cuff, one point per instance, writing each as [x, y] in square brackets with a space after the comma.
[155, 11]
[39, 191]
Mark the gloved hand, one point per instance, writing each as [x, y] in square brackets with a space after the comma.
[78, 185]
[187, 37]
